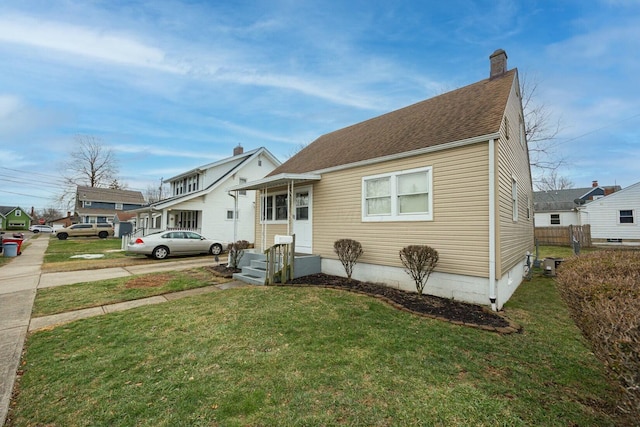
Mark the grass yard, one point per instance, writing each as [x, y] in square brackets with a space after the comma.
[58, 255]
[93, 294]
[311, 356]
[62, 250]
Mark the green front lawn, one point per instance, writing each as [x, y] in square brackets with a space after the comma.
[310, 356]
[63, 250]
[93, 294]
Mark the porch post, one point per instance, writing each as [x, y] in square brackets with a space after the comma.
[263, 220]
[292, 206]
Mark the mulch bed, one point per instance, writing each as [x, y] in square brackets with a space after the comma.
[450, 310]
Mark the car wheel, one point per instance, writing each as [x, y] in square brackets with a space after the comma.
[161, 252]
[36, 231]
[63, 236]
[216, 249]
[103, 234]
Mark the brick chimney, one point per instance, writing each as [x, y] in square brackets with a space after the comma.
[594, 184]
[238, 150]
[498, 63]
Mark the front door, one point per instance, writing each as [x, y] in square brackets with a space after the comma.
[302, 224]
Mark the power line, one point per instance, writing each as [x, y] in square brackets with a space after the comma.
[599, 129]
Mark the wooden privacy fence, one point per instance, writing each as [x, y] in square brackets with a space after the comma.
[564, 236]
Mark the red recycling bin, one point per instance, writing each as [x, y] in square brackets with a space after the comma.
[13, 240]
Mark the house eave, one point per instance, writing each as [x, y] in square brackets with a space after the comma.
[277, 181]
[405, 154]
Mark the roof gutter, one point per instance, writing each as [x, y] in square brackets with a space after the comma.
[492, 224]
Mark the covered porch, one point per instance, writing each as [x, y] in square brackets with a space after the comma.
[285, 245]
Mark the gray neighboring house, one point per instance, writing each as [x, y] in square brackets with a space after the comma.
[95, 204]
[559, 208]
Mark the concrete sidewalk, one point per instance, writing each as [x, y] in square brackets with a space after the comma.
[20, 279]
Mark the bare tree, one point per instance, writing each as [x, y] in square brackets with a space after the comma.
[551, 181]
[49, 214]
[154, 194]
[91, 164]
[541, 129]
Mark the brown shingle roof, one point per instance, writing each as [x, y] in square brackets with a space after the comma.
[471, 111]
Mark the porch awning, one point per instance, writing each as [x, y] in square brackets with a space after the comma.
[279, 180]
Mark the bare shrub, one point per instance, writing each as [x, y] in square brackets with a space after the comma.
[419, 262]
[348, 251]
[602, 292]
[236, 251]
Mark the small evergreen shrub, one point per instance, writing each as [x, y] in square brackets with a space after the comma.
[602, 292]
[236, 251]
[419, 262]
[348, 252]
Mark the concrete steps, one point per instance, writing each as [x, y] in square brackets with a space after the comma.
[255, 273]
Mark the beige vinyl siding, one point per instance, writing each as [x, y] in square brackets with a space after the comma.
[514, 238]
[459, 230]
[270, 229]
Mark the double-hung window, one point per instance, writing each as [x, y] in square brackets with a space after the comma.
[626, 217]
[398, 196]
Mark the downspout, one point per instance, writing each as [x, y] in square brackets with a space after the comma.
[492, 225]
[235, 215]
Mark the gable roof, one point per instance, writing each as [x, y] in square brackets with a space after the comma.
[6, 210]
[564, 200]
[224, 168]
[472, 111]
[620, 193]
[96, 194]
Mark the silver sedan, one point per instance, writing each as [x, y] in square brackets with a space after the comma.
[163, 244]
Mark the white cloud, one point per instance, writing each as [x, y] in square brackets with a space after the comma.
[92, 43]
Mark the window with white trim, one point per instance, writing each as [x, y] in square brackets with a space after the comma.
[627, 217]
[555, 219]
[398, 196]
[18, 212]
[230, 214]
[118, 206]
[514, 198]
[275, 207]
[242, 181]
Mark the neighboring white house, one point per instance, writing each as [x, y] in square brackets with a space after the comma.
[614, 218]
[199, 198]
[559, 208]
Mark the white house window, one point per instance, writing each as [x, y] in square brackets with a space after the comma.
[18, 213]
[555, 219]
[118, 206]
[514, 198]
[521, 132]
[275, 207]
[85, 204]
[230, 214]
[398, 196]
[242, 181]
[626, 217]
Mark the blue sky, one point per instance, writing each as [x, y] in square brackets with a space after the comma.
[172, 85]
